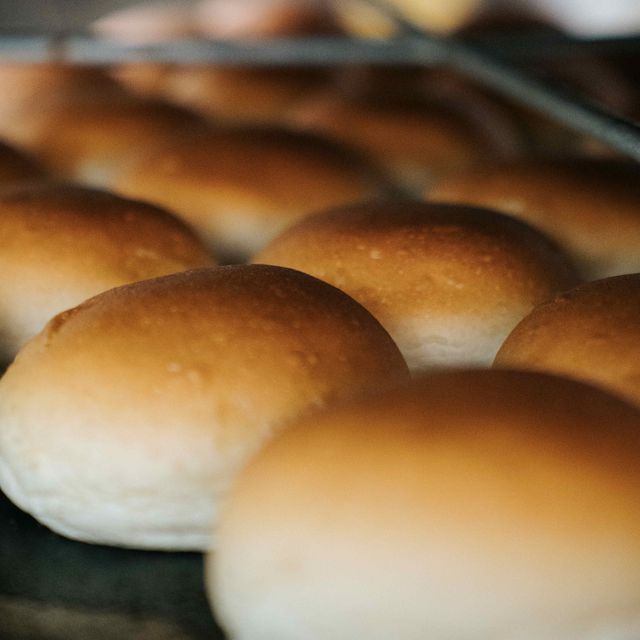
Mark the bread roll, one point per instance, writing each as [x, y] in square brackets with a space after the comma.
[416, 141]
[591, 207]
[591, 333]
[29, 90]
[241, 187]
[92, 142]
[124, 421]
[471, 505]
[63, 244]
[447, 282]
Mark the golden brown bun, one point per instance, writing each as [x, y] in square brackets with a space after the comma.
[92, 142]
[240, 94]
[591, 207]
[416, 141]
[124, 421]
[590, 333]
[17, 167]
[471, 505]
[447, 282]
[361, 18]
[29, 90]
[63, 244]
[241, 187]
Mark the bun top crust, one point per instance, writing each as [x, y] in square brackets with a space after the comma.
[591, 207]
[432, 274]
[84, 228]
[591, 333]
[493, 502]
[62, 244]
[240, 187]
[416, 256]
[156, 392]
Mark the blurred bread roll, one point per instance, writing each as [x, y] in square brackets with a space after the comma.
[63, 244]
[91, 143]
[417, 141]
[29, 90]
[147, 22]
[241, 187]
[231, 19]
[471, 505]
[364, 19]
[591, 333]
[125, 420]
[448, 282]
[591, 207]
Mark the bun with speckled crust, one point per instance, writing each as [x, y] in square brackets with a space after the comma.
[62, 244]
[591, 333]
[447, 282]
[124, 421]
[472, 505]
[591, 207]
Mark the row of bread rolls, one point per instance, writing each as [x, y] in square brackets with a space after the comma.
[475, 504]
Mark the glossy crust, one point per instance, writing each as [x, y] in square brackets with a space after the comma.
[63, 244]
[124, 421]
[447, 282]
[241, 187]
[590, 333]
[591, 207]
[469, 505]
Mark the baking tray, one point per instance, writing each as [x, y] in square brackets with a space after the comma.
[58, 589]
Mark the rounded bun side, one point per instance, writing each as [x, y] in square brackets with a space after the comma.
[591, 333]
[126, 418]
[468, 505]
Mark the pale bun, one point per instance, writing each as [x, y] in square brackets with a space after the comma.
[362, 18]
[63, 244]
[448, 282]
[91, 142]
[591, 333]
[472, 505]
[591, 207]
[240, 187]
[125, 420]
[237, 19]
[147, 22]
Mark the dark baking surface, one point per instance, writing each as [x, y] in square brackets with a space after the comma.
[60, 589]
